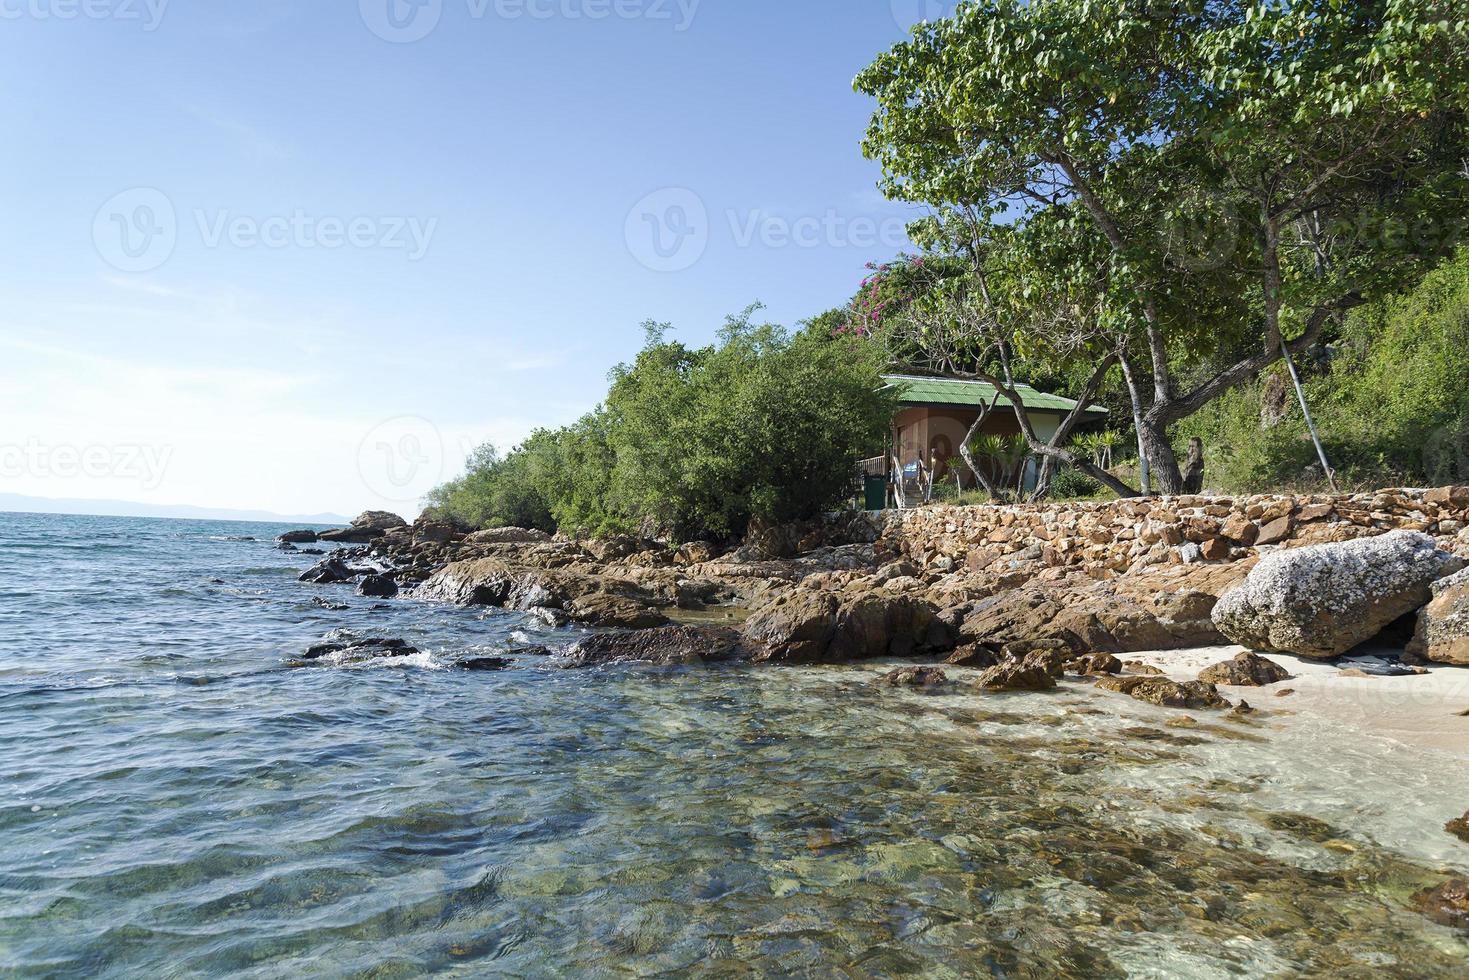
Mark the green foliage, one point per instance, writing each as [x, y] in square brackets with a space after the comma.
[761, 424]
[552, 474]
[1391, 404]
[1190, 182]
[695, 442]
[1072, 484]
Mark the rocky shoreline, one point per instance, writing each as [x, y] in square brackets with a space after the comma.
[1028, 595]
[977, 586]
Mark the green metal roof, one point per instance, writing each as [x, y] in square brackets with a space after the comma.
[974, 394]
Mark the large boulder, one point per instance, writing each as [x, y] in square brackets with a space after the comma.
[368, 526]
[1323, 600]
[1031, 673]
[333, 570]
[378, 587]
[298, 537]
[1245, 670]
[612, 610]
[598, 600]
[1166, 693]
[665, 646]
[809, 626]
[1165, 609]
[1443, 624]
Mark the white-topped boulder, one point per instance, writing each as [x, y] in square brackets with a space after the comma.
[1323, 600]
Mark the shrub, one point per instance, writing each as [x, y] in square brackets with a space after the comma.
[694, 442]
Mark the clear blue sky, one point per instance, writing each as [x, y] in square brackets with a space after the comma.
[295, 256]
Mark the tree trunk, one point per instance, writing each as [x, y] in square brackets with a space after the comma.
[1145, 480]
[1163, 466]
[968, 455]
[1193, 477]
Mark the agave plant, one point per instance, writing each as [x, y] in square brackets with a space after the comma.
[1099, 446]
[1007, 454]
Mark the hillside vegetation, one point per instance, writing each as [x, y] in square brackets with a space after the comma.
[1390, 397]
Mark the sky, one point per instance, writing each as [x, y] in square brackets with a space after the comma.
[304, 256]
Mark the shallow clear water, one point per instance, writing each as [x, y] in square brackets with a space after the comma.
[173, 802]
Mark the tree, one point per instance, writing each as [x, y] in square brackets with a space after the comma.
[759, 424]
[1253, 169]
[694, 442]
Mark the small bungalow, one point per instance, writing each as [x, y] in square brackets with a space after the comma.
[935, 414]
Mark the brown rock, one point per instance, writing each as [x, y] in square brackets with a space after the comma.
[367, 526]
[794, 628]
[1285, 692]
[1442, 635]
[1276, 531]
[1166, 693]
[1315, 512]
[1016, 675]
[1216, 549]
[508, 535]
[1240, 528]
[974, 655]
[1095, 664]
[916, 677]
[1448, 496]
[665, 646]
[1459, 827]
[1448, 904]
[1142, 669]
[1245, 670]
[817, 626]
[607, 609]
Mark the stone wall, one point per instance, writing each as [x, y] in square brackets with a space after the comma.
[1126, 535]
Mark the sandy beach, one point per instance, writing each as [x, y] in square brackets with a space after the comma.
[1425, 710]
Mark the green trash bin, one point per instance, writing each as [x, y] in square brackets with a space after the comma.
[875, 492]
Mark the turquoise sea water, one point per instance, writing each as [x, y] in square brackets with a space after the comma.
[174, 802]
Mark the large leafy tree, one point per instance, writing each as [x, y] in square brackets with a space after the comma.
[1252, 170]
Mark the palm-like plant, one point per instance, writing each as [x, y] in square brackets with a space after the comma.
[1007, 454]
[1099, 446]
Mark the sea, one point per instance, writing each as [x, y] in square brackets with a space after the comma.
[178, 800]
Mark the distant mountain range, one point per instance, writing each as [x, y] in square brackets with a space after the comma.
[17, 503]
